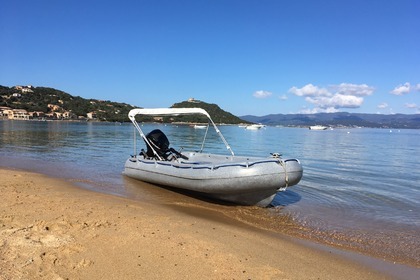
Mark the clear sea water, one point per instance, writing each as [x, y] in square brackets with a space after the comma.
[360, 189]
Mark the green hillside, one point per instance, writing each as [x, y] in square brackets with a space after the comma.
[54, 103]
[218, 115]
[51, 103]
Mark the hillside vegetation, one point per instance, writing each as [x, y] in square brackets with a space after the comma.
[50, 101]
[218, 115]
[55, 104]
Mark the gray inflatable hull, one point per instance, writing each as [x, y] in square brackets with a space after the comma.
[241, 180]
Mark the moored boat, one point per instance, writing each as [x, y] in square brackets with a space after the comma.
[197, 126]
[239, 179]
[318, 127]
[254, 126]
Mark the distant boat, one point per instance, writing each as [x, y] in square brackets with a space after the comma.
[254, 126]
[200, 126]
[318, 127]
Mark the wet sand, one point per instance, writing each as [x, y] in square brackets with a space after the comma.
[50, 229]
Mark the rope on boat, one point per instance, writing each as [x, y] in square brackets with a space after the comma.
[283, 164]
[286, 179]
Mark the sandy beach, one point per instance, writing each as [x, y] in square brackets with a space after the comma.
[50, 229]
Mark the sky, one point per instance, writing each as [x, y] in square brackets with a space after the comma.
[249, 57]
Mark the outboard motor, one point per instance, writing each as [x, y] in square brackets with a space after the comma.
[159, 142]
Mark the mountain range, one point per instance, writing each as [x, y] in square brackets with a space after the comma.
[55, 102]
[339, 119]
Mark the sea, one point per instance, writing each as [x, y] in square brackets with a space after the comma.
[360, 189]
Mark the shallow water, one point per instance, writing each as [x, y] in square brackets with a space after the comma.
[360, 188]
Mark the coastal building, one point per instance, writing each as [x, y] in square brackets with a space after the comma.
[91, 115]
[50, 115]
[36, 114]
[4, 112]
[54, 107]
[68, 115]
[15, 114]
[25, 89]
[193, 100]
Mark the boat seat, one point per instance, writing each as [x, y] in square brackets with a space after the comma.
[160, 144]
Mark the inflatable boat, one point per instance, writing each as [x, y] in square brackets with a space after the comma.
[238, 179]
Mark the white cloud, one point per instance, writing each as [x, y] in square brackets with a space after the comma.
[334, 97]
[318, 110]
[383, 105]
[309, 111]
[283, 97]
[411, 105]
[336, 101]
[309, 90]
[262, 94]
[353, 89]
[402, 89]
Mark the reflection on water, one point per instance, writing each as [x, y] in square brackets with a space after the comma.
[360, 187]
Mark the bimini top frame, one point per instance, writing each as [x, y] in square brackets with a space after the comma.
[172, 112]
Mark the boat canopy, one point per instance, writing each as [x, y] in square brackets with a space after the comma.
[167, 112]
[173, 112]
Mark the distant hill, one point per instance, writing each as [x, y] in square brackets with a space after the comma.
[51, 103]
[55, 104]
[218, 115]
[339, 119]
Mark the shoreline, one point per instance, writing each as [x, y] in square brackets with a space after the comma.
[128, 122]
[51, 228]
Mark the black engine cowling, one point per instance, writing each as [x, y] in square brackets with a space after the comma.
[159, 142]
